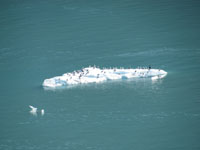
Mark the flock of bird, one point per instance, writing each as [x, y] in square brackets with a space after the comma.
[34, 111]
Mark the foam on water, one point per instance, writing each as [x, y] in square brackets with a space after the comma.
[96, 75]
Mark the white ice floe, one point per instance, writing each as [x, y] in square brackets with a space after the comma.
[96, 75]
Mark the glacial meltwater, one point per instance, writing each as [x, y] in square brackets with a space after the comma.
[116, 110]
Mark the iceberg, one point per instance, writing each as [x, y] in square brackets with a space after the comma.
[97, 75]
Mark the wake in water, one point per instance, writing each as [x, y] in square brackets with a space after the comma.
[96, 75]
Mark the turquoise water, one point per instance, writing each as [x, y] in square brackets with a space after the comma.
[43, 39]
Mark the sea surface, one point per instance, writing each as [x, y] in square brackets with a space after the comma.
[46, 38]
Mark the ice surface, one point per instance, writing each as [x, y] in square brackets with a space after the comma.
[96, 75]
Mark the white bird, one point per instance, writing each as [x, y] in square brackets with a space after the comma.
[33, 110]
[42, 112]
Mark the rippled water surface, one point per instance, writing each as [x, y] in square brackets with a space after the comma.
[43, 39]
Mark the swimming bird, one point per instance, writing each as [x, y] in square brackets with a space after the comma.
[33, 110]
[42, 112]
